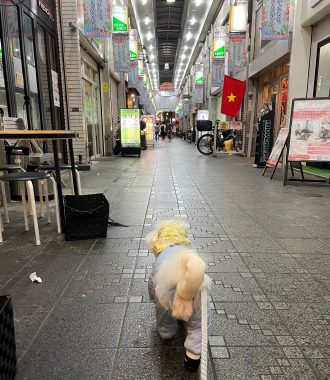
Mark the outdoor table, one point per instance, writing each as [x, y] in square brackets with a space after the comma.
[54, 136]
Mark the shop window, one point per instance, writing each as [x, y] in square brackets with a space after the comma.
[32, 72]
[3, 95]
[15, 54]
[322, 77]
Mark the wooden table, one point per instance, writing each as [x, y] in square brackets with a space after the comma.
[54, 136]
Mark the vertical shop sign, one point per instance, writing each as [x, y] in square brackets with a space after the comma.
[218, 73]
[119, 19]
[97, 18]
[266, 138]
[80, 15]
[120, 44]
[130, 128]
[237, 52]
[133, 45]
[199, 75]
[140, 68]
[56, 90]
[275, 20]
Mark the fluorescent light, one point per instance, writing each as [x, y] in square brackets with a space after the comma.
[147, 20]
[170, 1]
[166, 66]
[149, 36]
[193, 21]
[152, 56]
[150, 47]
[188, 36]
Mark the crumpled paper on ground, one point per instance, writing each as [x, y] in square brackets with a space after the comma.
[34, 277]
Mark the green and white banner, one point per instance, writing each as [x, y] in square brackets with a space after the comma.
[218, 45]
[199, 74]
[130, 134]
[133, 45]
[119, 19]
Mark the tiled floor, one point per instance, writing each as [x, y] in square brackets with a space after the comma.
[267, 249]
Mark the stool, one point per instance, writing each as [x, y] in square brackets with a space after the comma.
[51, 168]
[25, 180]
[6, 168]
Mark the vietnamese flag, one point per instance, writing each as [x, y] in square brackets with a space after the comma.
[232, 96]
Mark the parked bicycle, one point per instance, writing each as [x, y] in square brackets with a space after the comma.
[205, 143]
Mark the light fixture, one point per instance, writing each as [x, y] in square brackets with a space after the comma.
[166, 66]
[152, 56]
[188, 36]
[147, 20]
[170, 1]
[193, 21]
[149, 36]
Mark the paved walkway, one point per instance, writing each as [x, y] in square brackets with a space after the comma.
[267, 249]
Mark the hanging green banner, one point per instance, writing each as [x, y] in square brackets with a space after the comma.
[133, 45]
[119, 19]
[275, 20]
[218, 45]
[199, 74]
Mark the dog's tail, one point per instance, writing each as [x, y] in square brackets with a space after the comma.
[188, 286]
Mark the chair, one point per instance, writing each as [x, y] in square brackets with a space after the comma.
[51, 168]
[5, 169]
[25, 180]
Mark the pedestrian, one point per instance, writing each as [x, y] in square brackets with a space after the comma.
[169, 127]
[156, 132]
[162, 131]
[175, 287]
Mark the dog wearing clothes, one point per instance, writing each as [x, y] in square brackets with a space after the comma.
[175, 287]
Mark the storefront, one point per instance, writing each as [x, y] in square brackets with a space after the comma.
[30, 83]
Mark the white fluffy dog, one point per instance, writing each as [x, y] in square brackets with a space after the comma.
[175, 286]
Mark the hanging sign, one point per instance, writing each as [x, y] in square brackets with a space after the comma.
[56, 90]
[275, 20]
[97, 18]
[218, 45]
[140, 68]
[218, 72]
[120, 43]
[133, 45]
[237, 52]
[130, 135]
[199, 75]
[310, 130]
[133, 75]
[119, 19]
[238, 16]
[199, 93]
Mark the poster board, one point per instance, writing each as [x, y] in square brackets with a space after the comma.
[150, 129]
[277, 150]
[309, 135]
[130, 134]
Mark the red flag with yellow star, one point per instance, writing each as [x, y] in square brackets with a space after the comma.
[232, 96]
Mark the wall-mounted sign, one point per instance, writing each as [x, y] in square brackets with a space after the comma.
[130, 135]
[202, 115]
[275, 20]
[119, 19]
[19, 79]
[106, 87]
[75, 109]
[47, 7]
[56, 90]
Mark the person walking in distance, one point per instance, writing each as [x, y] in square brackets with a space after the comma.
[156, 132]
[169, 130]
[162, 131]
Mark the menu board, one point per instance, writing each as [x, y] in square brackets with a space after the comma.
[278, 147]
[310, 130]
[130, 134]
[149, 131]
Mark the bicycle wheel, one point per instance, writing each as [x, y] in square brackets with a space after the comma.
[205, 144]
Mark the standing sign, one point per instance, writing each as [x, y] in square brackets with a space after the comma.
[130, 134]
[275, 20]
[266, 138]
[149, 131]
[119, 19]
[120, 43]
[310, 130]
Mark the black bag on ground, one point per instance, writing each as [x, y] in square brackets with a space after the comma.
[204, 125]
[86, 216]
[8, 367]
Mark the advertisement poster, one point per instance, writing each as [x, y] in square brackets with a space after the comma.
[130, 128]
[310, 130]
[56, 90]
[133, 45]
[120, 43]
[275, 20]
[237, 52]
[278, 147]
[149, 131]
[199, 93]
[97, 18]
[141, 68]
[218, 72]
[203, 115]
[119, 19]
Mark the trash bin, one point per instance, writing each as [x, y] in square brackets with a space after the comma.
[18, 155]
